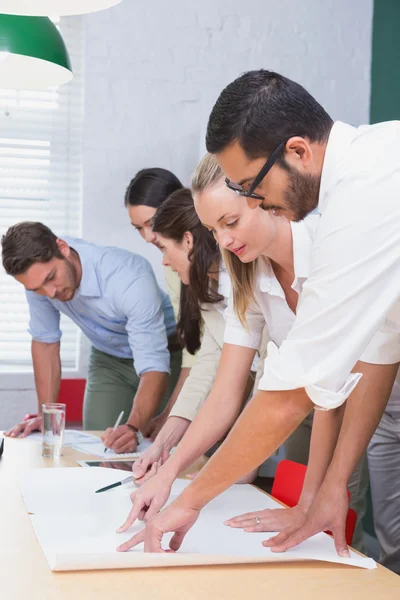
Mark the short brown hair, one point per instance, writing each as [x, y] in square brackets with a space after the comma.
[27, 243]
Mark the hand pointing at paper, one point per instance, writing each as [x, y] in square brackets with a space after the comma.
[219, 473]
[148, 500]
[177, 518]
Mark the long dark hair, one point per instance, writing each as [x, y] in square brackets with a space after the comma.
[150, 187]
[174, 217]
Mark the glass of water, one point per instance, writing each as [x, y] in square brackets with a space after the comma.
[53, 429]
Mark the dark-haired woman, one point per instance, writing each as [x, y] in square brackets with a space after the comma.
[192, 252]
[144, 195]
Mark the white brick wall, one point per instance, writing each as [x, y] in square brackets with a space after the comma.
[153, 71]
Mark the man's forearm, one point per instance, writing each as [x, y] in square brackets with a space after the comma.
[364, 409]
[152, 388]
[47, 371]
[324, 436]
[266, 422]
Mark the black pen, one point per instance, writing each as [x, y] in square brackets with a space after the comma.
[113, 485]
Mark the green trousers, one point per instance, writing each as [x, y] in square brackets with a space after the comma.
[111, 386]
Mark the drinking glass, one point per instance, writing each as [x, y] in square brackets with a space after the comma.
[53, 429]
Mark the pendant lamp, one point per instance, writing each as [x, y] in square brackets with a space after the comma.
[32, 53]
[59, 8]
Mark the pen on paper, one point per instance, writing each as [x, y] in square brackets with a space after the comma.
[113, 485]
[117, 422]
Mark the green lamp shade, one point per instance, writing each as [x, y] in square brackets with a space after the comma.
[32, 53]
[54, 7]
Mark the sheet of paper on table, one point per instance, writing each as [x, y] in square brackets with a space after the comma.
[91, 444]
[77, 528]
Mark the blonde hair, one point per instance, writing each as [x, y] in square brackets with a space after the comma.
[207, 174]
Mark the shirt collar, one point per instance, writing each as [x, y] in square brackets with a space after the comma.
[302, 236]
[338, 146]
[89, 285]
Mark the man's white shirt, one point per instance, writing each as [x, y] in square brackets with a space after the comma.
[353, 268]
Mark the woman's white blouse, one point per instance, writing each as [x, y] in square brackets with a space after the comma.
[270, 308]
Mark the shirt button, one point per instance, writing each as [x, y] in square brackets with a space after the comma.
[109, 338]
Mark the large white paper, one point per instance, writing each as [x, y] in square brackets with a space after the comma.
[91, 444]
[77, 528]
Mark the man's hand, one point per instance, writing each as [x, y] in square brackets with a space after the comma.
[276, 519]
[155, 426]
[327, 512]
[147, 466]
[123, 439]
[26, 427]
[148, 500]
[177, 517]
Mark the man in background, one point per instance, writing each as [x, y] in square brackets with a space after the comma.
[113, 297]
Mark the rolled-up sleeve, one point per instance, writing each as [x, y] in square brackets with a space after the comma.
[354, 282]
[142, 304]
[44, 322]
[236, 334]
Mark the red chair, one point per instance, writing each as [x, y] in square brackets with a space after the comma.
[71, 393]
[288, 483]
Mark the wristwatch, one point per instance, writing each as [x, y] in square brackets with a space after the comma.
[139, 434]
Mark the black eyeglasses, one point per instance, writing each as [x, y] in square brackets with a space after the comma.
[258, 179]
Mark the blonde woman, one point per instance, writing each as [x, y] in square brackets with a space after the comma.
[268, 259]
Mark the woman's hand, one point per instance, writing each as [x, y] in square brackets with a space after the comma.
[148, 500]
[177, 517]
[147, 466]
[275, 519]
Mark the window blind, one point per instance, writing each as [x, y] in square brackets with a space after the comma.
[40, 180]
